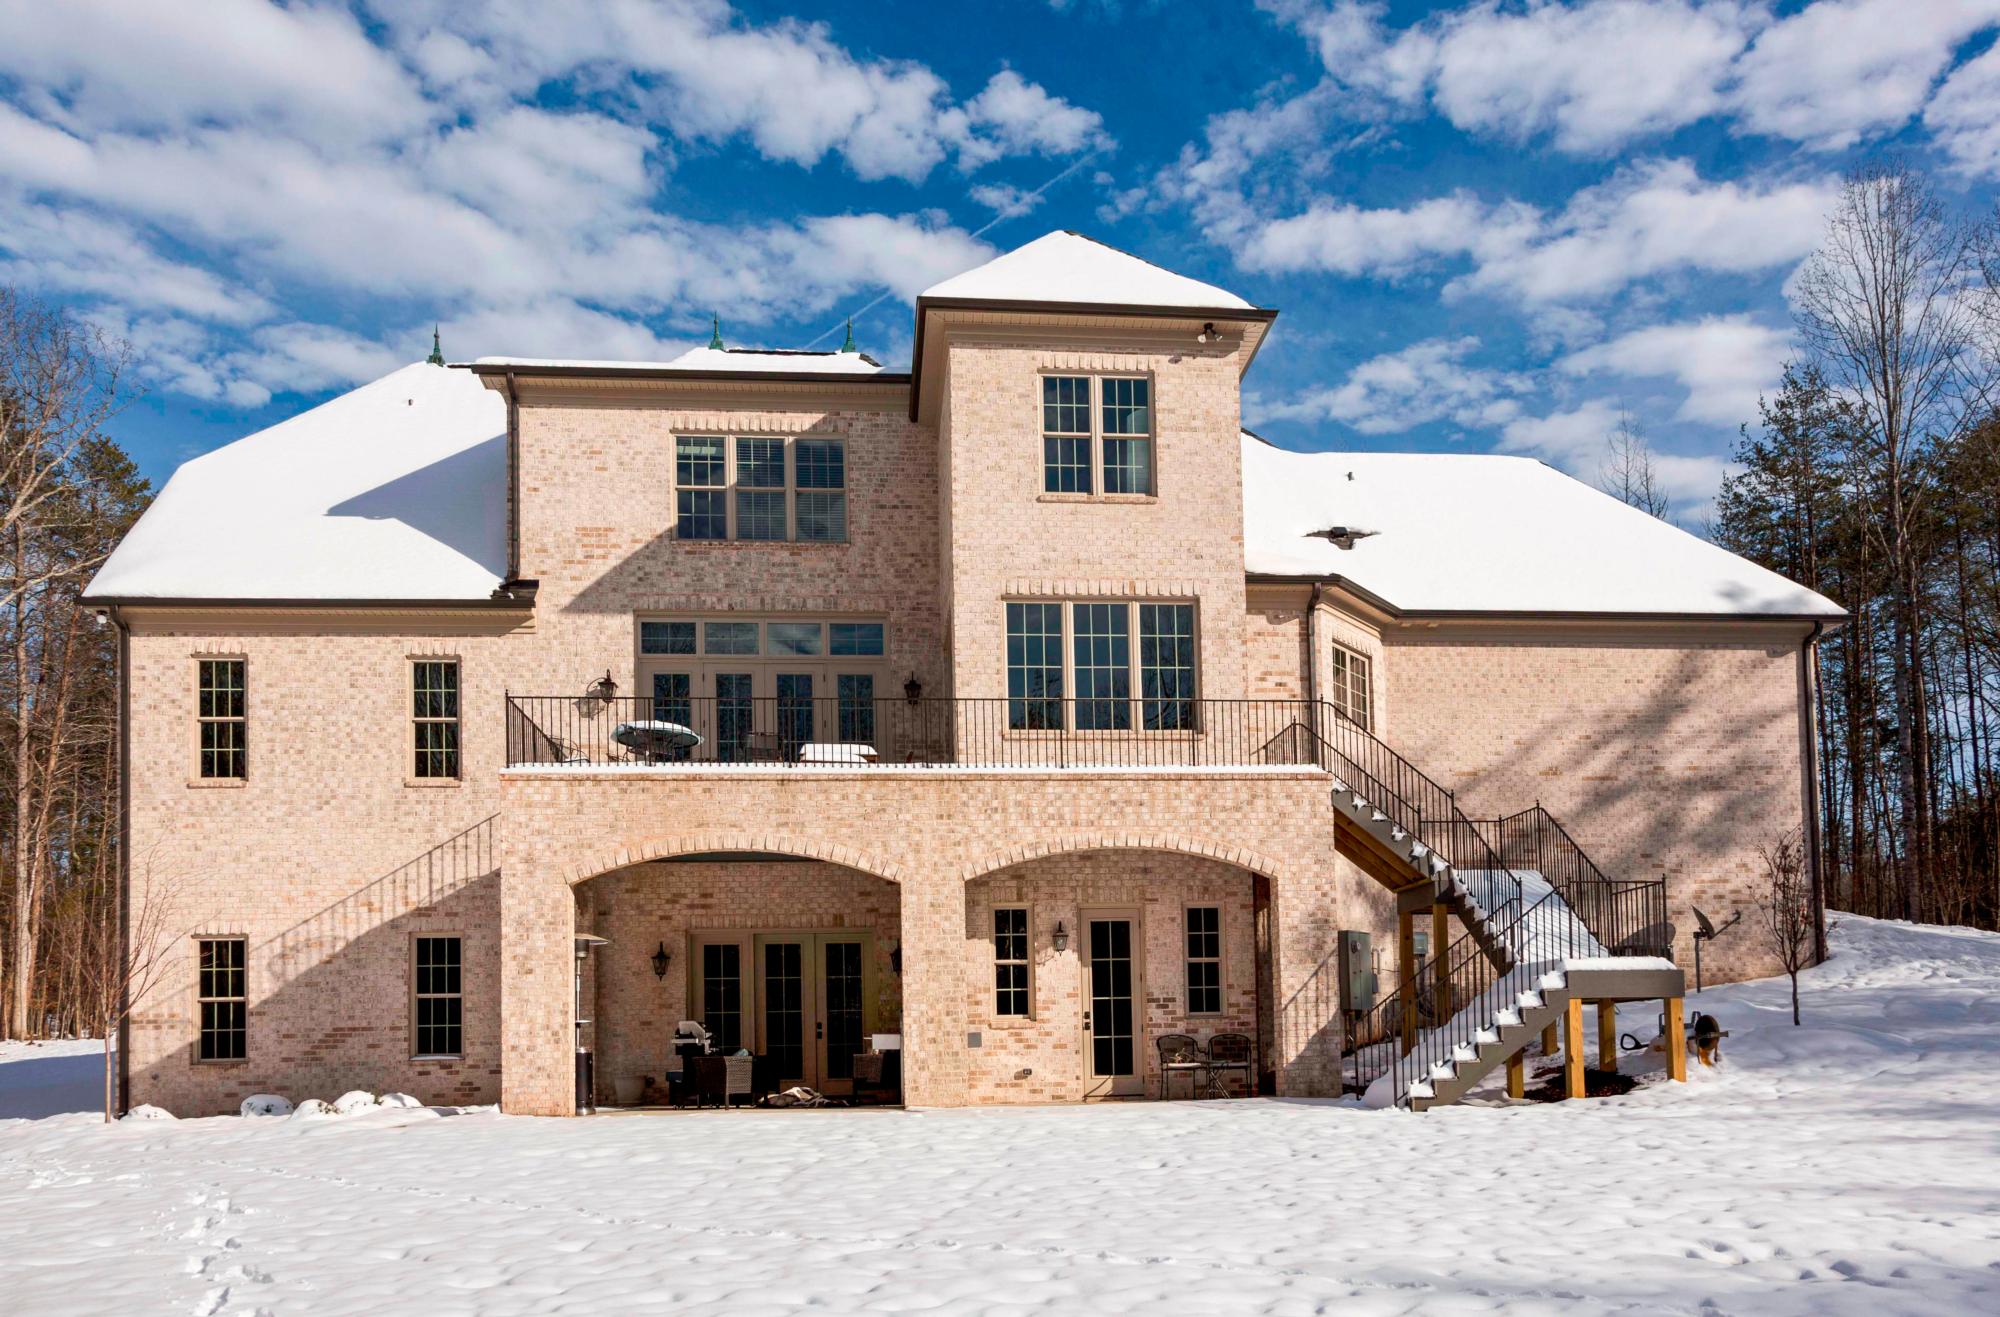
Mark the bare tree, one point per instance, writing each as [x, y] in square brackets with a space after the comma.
[1886, 308]
[1789, 920]
[66, 493]
[135, 958]
[1627, 472]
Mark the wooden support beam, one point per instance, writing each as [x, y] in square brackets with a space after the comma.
[1406, 965]
[1607, 1036]
[1517, 1079]
[1440, 939]
[1573, 1048]
[1677, 1042]
[1549, 1040]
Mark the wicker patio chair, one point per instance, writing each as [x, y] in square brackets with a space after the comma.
[1180, 1054]
[1227, 1052]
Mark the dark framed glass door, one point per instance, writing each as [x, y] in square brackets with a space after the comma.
[1112, 1033]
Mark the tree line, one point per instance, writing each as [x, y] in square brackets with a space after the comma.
[1873, 476]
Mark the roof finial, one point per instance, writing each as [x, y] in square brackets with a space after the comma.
[848, 346]
[436, 358]
[715, 338]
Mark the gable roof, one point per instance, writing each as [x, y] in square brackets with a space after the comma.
[1069, 268]
[1484, 533]
[394, 491]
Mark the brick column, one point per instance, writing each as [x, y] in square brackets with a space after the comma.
[537, 1020]
[933, 905]
[1305, 971]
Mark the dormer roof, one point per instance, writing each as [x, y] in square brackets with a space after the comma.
[1068, 268]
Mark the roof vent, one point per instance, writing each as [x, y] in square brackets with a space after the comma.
[1341, 537]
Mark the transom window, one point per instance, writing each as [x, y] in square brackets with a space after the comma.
[773, 639]
[1204, 960]
[752, 488]
[440, 996]
[220, 709]
[1010, 960]
[1093, 678]
[1108, 447]
[434, 717]
[223, 998]
[1352, 690]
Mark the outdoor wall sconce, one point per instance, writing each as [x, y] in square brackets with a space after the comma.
[1061, 937]
[913, 690]
[661, 959]
[605, 688]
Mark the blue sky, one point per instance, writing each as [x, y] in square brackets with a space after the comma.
[1494, 226]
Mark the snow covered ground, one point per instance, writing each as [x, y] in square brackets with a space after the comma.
[1852, 1166]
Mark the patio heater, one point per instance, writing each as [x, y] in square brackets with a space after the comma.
[586, 1078]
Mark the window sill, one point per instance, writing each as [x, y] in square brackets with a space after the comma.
[217, 783]
[217, 1064]
[1097, 498]
[445, 1058]
[764, 544]
[434, 782]
[1012, 1023]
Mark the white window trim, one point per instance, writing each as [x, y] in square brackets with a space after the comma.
[1355, 663]
[728, 488]
[1097, 437]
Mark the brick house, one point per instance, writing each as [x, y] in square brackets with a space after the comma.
[1022, 707]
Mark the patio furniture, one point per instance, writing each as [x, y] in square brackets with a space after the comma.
[879, 1076]
[1226, 1052]
[723, 1078]
[763, 748]
[837, 752]
[1180, 1054]
[656, 740]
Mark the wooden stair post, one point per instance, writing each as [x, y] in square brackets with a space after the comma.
[1406, 961]
[1517, 1079]
[1573, 1048]
[1677, 1042]
[1549, 1040]
[1441, 977]
[1607, 1036]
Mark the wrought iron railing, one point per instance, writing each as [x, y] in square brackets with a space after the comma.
[1626, 917]
[833, 731]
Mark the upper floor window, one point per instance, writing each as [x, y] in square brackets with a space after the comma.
[749, 487]
[1076, 665]
[434, 717]
[1108, 446]
[1352, 690]
[220, 710]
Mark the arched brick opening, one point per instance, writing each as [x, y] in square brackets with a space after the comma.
[1164, 936]
[789, 950]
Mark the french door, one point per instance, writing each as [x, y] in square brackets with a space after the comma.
[812, 1014]
[792, 706]
[1113, 1038]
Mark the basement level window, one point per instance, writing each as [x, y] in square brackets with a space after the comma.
[223, 998]
[439, 996]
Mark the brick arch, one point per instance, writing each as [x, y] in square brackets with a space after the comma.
[1173, 843]
[647, 849]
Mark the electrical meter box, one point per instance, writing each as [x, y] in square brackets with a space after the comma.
[1357, 971]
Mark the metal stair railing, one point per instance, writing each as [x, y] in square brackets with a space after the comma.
[1628, 918]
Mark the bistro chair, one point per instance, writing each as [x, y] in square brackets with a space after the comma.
[1180, 1054]
[1226, 1052]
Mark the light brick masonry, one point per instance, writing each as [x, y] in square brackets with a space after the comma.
[1670, 749]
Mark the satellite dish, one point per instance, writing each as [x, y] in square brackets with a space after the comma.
[1707, 928]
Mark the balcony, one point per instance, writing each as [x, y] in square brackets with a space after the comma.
[595, 732]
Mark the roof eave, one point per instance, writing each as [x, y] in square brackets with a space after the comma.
[1832, 621]
[497, 369]
[1264, 315]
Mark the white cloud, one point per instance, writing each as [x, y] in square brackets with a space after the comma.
[1004, 199]
[1646, 220]
[1839, 71]
[1964, 117]
[1021, 118]
[1578, 441]
[1724, 363]
[1595, 74]
[1424, 382]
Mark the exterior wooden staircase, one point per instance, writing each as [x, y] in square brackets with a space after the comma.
[1541, 930]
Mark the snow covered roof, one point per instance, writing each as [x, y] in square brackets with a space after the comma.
[396, 490]
[1067, 267]
[1487, 533]
[705, 360]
